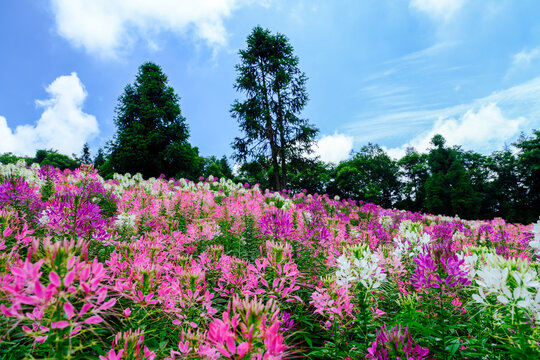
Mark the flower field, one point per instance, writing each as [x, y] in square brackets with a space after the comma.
[164, 269]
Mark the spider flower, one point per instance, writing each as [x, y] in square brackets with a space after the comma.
[395, 344]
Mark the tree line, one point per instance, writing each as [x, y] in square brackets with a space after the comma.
[275, 148]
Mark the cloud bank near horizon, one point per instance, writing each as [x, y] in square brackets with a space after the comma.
[481, 130]
[333, 148]
[63, 125]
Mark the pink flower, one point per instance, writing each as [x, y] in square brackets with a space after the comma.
[60, 324]
[69, 310]
[377, 311]
[96, 319]
[70, 276]
[112, 355]
[242, 349]
[85, 309]
[55, 279]
[108, 304]
[75, 331]
[150, 355]
[41, 339]
[183, 347]
[274, 340]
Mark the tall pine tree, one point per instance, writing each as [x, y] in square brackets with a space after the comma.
[152, 135]
[269, 117]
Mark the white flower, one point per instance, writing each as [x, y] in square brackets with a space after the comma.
[345, 274]
[493, 280]
[385, 221]
[400, 247]
[364, 269]
[527, 279]
[535, 242]
[125, 220]
[480, 297]
[536, 228]
[469, 264]
[44, 219]
[520, 290]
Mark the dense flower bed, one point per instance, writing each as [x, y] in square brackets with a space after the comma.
[134, 269]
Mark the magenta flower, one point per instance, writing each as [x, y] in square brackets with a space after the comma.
[112, 355]
[446, 273]
[395, 344]
[247, 327]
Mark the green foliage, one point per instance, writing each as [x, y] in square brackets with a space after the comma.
[152, 134]
[274, 86]
[99, 159]
[414, 173]
[85, 155]
[477, 167]
[506, 190]
[448, 189]
[216, 167]
[53, 158]
[310, 175]
[528, 162]
[10, 158]
[103, 165]
[257, 171]
[371, 175]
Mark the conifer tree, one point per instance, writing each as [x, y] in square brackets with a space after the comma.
[152, 135]
[269, 117]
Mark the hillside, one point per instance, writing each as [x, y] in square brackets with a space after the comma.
[164, 269]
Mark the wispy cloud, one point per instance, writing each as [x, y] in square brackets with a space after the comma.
[110, 27]
[441, 10]
[512, 110]
[409, 92]
[416, 61]
[63, 125]
[523, 60]
[422, 55]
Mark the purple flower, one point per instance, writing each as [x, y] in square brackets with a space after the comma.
[425, 275]
[444, 273]
[17, 193]
[277, 223]
[285, 321]
[395, 344]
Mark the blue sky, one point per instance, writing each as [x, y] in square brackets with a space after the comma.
[387, 72]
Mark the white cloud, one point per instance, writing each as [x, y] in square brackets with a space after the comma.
[63, 125]
[333, 148]
[110, 27]
[437, 9]
[485, 129]
[408, 121]
[524, 58]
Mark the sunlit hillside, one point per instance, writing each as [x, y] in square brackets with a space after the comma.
[171, 269]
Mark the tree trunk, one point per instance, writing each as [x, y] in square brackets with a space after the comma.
[283, 146]
[270, 132]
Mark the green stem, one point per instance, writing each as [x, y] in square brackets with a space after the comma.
[443, 332]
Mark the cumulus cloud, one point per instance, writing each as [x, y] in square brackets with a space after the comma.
[437, 9]
[107, 27]
[333, 148]
[63, 125]
[482, 130]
